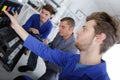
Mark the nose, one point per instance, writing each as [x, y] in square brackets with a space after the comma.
[79, 30]
[43, 15]
[60, 28]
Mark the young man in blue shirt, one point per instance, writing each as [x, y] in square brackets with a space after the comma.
[100, 32]
[38, 25]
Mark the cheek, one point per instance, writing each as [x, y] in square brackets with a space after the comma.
[65, 31]
[82, 39]
[46, 18]
[61, 29]
[79, 36]
[41, 17]
[88, 40]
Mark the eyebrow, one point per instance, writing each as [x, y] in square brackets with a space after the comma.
[83, 26]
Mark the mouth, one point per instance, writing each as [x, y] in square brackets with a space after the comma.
[41, 17]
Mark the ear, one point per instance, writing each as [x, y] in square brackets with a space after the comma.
[101, 37]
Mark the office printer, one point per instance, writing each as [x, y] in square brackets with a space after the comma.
[11, 47]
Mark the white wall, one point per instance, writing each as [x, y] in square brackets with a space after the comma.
[87, 6]
[69, 6]
[112, 58]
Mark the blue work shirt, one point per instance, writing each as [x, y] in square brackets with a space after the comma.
[68, 62]
[34, 22]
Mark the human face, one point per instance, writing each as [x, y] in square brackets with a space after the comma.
[65, 29]
[44, 15]
[85, 36]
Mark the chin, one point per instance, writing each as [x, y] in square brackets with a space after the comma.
[79, 46]
[42, 20]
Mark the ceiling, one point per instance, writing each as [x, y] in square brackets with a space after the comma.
[110, 6]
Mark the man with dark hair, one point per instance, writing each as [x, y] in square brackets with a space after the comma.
[64, 41]
[38, 25]
[100, 32]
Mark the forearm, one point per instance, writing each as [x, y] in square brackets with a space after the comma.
[21, 32]
[44, 51]
[15, 25]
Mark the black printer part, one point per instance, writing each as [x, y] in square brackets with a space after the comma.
[11, 48]
[10, 7]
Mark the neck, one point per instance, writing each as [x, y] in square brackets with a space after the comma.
[91, 57]
[67, 36]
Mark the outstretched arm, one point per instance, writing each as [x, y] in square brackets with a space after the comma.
[15, 25]
[55, 56]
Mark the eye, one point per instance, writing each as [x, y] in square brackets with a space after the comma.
[46, 14]
[84, 28]
[41, 11]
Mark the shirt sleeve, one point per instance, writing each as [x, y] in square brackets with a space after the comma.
[53, 55]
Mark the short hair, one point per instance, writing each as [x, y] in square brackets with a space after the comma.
[106, 24]
[69, 20]
[49, 8]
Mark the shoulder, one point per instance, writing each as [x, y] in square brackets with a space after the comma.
[58, 35]
[35, 15]
[49, 23]
[71, 56]
[71, 40]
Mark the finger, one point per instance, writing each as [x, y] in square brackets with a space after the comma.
[9, 15]
[13, 12]
[16, 12]
[37, 32]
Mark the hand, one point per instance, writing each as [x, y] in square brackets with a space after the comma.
[15, 14]
[13, 18]
[16, 27]
[34, 31]
[45, 41]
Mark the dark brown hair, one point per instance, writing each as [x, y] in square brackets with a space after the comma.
[49, 8]
[69, 20]
[108, 25]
